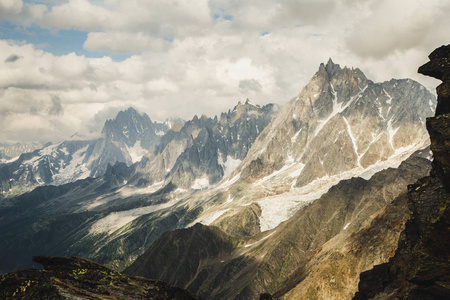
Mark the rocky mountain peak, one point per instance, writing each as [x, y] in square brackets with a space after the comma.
[133, 133]
[247, 105]
[332, 71]
[341, 124]
[331, 67]
[126, 126]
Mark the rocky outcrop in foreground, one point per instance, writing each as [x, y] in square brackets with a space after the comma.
[78, 278]
[420, 268]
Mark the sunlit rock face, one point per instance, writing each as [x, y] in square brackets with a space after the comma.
[341, 121]
[341, 125]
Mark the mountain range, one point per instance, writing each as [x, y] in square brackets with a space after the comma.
[125, 139]
[294, 201]
[317, 187]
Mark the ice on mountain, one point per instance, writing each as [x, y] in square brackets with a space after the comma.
[229, 165]
[136, 152]
[116, 220]
[228, 182]
[200, 183]
[259, 241]
[76, 169]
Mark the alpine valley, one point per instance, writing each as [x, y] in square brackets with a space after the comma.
[294, 201]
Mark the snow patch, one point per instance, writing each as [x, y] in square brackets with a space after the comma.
[337, 107]
[388, 101]
[116, 220]
[355, 147]
[391, 132]
[64, 151]
[207, 220]
[130, 191]
[294, 138]
[200, 183]
[136, 152]
[75, 170]
[267, 236]
[229, 199]
[229, 165]
[7, 161]
[49, 150]
[297, 172]
[229, 182]
[289, 163]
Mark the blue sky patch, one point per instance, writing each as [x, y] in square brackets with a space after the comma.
[57, 42]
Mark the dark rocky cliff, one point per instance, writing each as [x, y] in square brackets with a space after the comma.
[420, 268]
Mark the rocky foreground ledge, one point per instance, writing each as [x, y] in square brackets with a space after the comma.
[78, 278]
[420, 268]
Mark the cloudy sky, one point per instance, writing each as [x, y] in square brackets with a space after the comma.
[66, 66]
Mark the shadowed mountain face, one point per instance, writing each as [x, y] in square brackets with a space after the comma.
[420, 268]
[77, 278]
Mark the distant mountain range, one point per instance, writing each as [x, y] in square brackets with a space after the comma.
[125, 139]
[9, 153]
[258, 199]
[190, 157]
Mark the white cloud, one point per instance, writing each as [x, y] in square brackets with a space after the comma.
[130, 26]
[394, 25]
[125, 42]
[78, 14]
[36, 12]
[195, 57]
[10, 8]
[70, 67]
